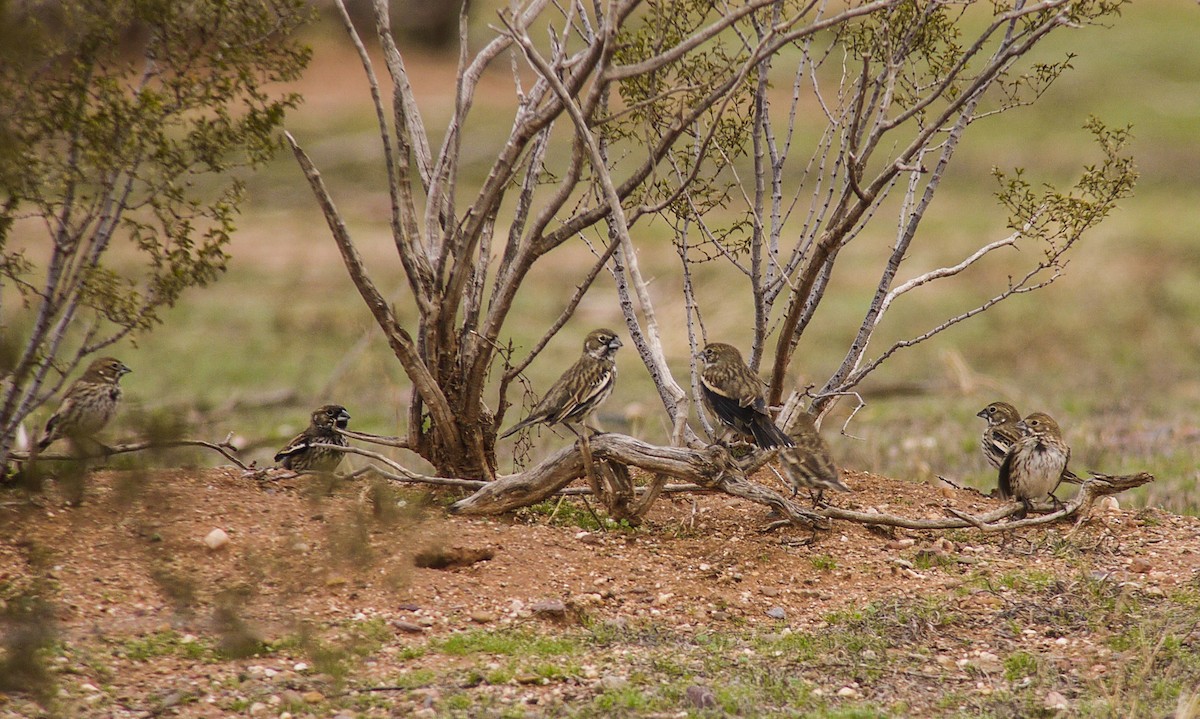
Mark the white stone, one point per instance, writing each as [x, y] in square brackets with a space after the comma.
[216, 539]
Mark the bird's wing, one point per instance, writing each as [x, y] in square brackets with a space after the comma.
[1005, 483]
[299, 443]
[586, 383]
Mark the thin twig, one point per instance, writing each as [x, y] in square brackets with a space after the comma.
[225, 448]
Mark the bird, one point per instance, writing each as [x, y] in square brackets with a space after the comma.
[581, 389]
[88, 405]
[809, 463]
[732, 392]
[300, 455]
[1035, 463]
[1002, 431]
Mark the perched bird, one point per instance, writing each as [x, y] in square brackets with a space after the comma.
[1036, 462]
[1001, 431]
[300, 455]
[733, 394]
[809, 463]
[88, 405]
[581, 389]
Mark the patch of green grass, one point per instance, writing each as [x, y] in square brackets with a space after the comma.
[563, 512]
[1030, 580]
[1019, 665]
[925, 560]
[162, 644]
[627, 698]
[335, 651]
[506, 642]
[823, 562]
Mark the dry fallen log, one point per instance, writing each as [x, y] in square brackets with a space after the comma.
[710, 468]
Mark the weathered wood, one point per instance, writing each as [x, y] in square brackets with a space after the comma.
[710, 467]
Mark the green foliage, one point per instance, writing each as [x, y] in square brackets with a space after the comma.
[682, 92]
[1058, 218]
[125, 124]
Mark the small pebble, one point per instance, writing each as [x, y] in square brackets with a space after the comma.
[216, 539]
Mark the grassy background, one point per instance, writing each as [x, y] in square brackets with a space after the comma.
[1110, 349]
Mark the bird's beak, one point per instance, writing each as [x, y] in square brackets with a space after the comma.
[982, 413]
[1022, 426]
[615, 342]
[123, 370]
[343, 416]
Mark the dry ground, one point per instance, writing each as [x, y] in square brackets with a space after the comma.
[315, 607]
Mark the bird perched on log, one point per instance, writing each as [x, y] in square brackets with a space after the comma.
[732, 393]
[300, 455]
[809, 463]
[1035, 463]
[581, 389]
[1000, 433]
[88, 405]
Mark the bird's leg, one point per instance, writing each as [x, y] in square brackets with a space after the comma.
[596, 431]
[585, 449]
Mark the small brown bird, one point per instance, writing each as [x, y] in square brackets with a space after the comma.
[581, 389]
[809, 463]
[1035, 464]
[1002, 431]
[299, 455]
[88, 405]
[733, 395]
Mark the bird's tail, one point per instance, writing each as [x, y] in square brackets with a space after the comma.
[518, 427]
[1071, 478]
[767, 435]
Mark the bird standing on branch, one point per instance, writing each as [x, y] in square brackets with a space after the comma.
[300, 455]
[1002, 431]
[1035, 464]
[581, 389]
[88, 405]
[732, 393]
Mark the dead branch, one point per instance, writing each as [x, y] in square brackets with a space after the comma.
[225, 448]
[710, 467]
[397, 442]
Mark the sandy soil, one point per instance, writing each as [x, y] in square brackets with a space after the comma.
[132, 564]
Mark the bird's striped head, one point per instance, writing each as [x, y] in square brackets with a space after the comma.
[998, 413]
[106, 369]
[1040, 424]
[331, 415]
[601, 344]
[718, 352]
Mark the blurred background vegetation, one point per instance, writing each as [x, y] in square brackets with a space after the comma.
[1110, 349]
